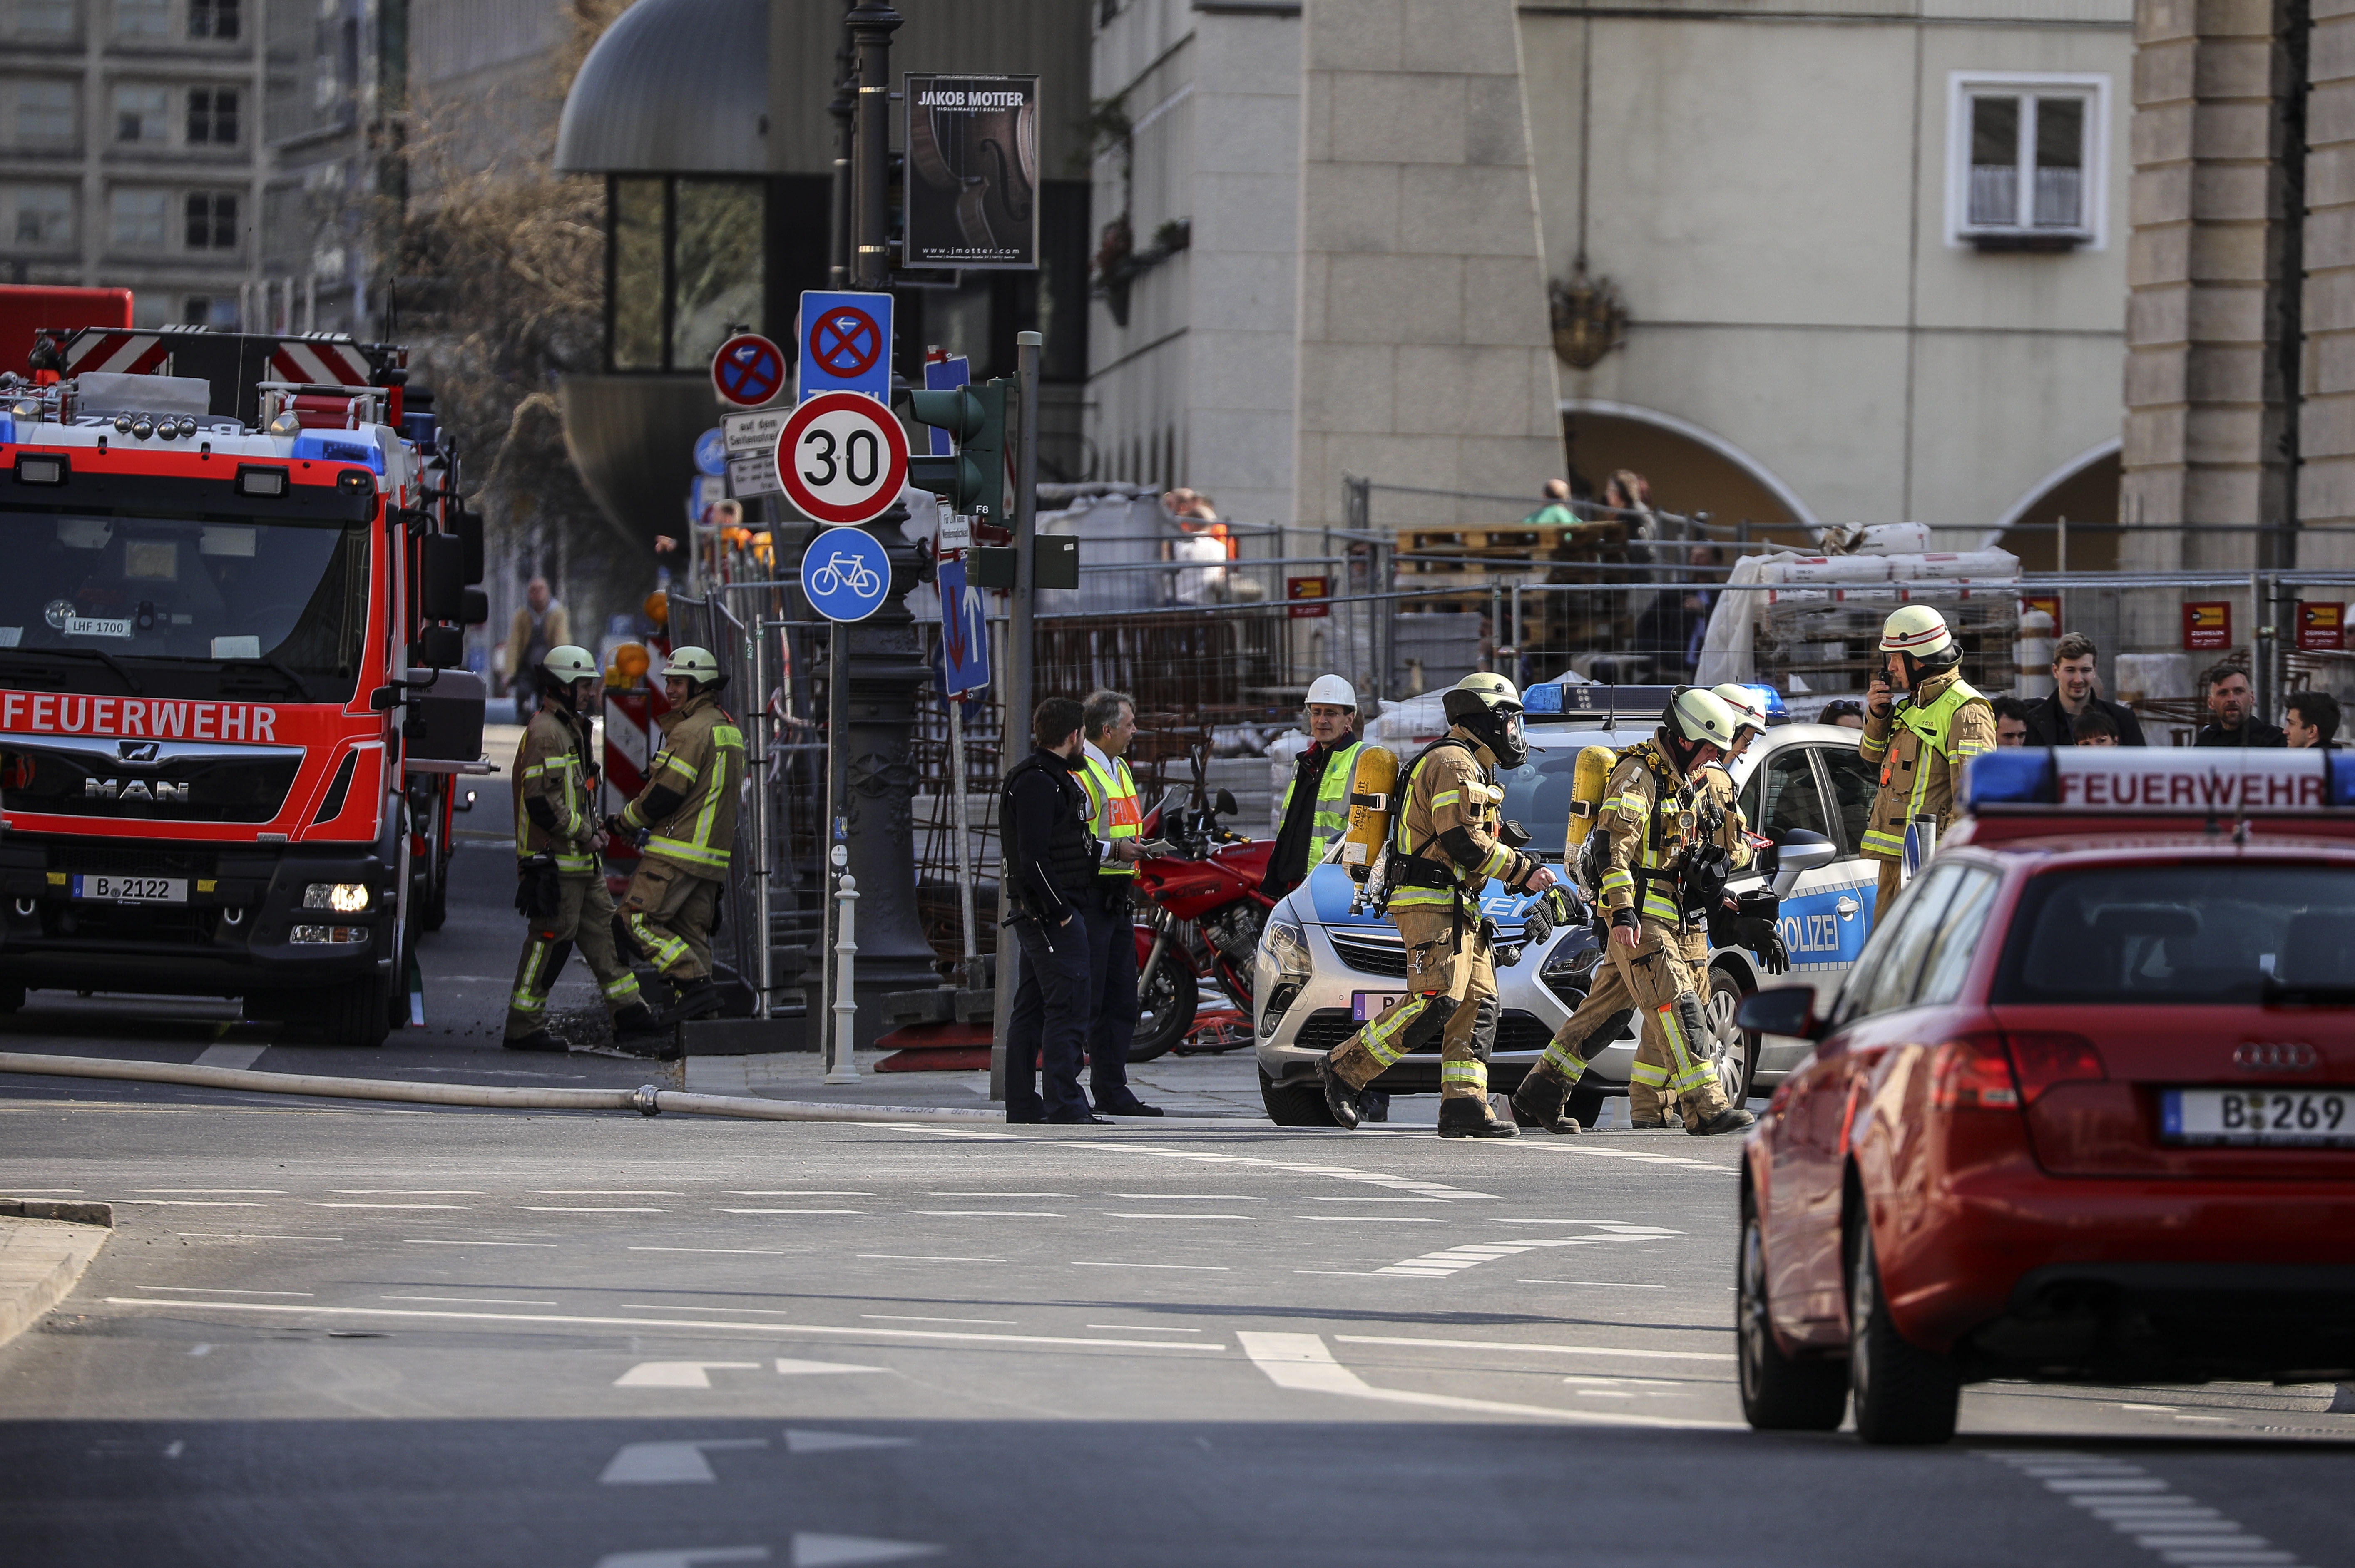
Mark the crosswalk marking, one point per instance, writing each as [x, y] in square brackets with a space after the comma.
[2146, 1509]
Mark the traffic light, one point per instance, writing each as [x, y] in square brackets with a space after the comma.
[973, 481]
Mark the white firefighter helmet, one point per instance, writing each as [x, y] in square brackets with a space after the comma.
[1744, 703]
[1918, 630]
[694, 664]
[1332, 690]
[1481, 692]
[1701, 718]
[568, 663]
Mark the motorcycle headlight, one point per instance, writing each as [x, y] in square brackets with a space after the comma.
[1286, 947]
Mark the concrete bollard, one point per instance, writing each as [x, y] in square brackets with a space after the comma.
[842, 1063]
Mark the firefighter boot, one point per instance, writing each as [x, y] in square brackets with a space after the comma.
[1465, 1116]
[1732, 1119]
[1339, 1098]
[637, 1018]
[537, 1040]
[1539, 1102]
[696, 999]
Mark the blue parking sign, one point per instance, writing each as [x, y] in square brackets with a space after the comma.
[845, 573]
[845, 344]
[965, 630]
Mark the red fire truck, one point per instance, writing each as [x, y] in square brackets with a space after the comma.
[231, 725]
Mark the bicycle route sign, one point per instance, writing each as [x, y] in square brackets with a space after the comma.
[845, 344]
[841, 458]
[747, 370]
[845, 573]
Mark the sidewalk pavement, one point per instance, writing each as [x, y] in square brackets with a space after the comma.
[42, 1259]
[1225, 1085]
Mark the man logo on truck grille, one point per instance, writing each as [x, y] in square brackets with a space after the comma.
[138, 753]
[162, 792]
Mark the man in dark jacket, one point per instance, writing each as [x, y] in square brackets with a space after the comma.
[1317, 801]
[2230, 699]
[2051, 722]
[1050, 867]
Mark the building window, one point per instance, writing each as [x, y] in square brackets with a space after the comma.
[685, 266]
[143, 114]
[45, 113]
[211, 310]
[41, 216]
[212, 221]
[213, 18]
[37, 19]
[137, 219]
[212, 117]
[143, 18]
[2026, 161]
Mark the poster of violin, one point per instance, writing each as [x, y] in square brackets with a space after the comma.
[973, 171]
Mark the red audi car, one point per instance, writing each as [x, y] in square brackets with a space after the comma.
[2084, 1110]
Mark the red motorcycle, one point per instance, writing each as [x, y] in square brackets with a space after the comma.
[1199, 911]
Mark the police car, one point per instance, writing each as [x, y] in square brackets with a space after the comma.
[1323, 969]
[2084, 1109]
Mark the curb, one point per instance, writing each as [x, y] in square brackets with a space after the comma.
[44, 1248]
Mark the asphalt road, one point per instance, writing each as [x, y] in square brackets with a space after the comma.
[356, 1334]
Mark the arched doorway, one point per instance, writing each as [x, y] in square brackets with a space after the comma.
[1690, 469]
[2082, 490]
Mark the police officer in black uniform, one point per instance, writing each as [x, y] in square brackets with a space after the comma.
[1051, 869]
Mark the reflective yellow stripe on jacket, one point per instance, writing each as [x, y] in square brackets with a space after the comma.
[1113, 811]
[725, 769]
[1332, 818]
[1930, 727]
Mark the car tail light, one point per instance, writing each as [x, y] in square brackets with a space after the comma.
[1973, 1072]
[2042, 1058]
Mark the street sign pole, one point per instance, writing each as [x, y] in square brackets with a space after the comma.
[1015, 730]
[836, 853]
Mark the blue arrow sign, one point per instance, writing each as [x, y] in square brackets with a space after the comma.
[965, 630]
[845, 344]
[845, 573]
[711, 454]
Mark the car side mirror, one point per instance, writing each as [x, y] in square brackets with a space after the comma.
[440, 578]
[1797, 852]
[384, 700]
[1223, 802]
[1788, 1011]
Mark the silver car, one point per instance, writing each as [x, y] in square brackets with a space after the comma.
[1323, 969]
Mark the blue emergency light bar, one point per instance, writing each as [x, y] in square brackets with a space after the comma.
[1579, 699]
[2164, 782]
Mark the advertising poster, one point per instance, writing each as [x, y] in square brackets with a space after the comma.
[2208, 627]
[973, 171]
[2321, 628]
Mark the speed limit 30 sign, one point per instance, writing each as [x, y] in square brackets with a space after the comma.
[841, 458]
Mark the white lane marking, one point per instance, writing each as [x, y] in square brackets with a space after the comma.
[803, 1442]
[1194, 1214]
[218, 1192]
[756, 1251]
[1539, 1349]
[687, 1557]
[1197, 1268]
[582, 1209]
[406, 1191]
[921, 1258]
[791, 1210]
[221, 1290]
[2139, 1505]
[678, 1374]
[669, 1464]
[789, 1367]
[1139, 1329]
[1454, 1259]
[58, 1191]
[1302, 1362]
[1643, 1156]
[673, 1306]
[473, 1300]
[912, 1318]
[1374, 1219]
[1401, 1200]
[606, 1192]
[251, 1236]
[588, 1321]
[800, 1192]
[1193, 1196]
[991, 1214]
[998, 1195]
[853, 1550]
[200, 1350]
[1593, 1283]
[1337, 1172]
[438, 1241]
[459, 1206]
[195, 1203]
[227, 1055]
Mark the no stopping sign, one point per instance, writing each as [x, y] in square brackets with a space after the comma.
[841, 458]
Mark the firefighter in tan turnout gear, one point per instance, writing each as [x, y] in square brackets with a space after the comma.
[1920, 740]
[560, 881]
[1659, 864]
[687, 817]
[1444, 846]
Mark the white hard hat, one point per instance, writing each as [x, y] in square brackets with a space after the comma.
[694, 664]
[1918, 630]
[1332, 689]
[1744, 703]
[566, 661]
[1702, 716]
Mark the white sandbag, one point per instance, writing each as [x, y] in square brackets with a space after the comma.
[1824, 569]
[1986, 564]
[1874, 539]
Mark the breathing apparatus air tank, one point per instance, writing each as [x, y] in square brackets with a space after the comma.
[1592, 777]
[1373, 802]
